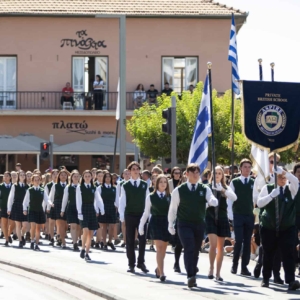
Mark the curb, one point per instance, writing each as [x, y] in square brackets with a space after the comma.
[70, 281]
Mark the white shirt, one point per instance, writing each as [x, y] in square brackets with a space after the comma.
[258, 187]
[175, 201]
[66, 197]
[264, 197]
[98, 203]
[230, 201]
[97, 84]
[139, 94]
[99, 189]
[46, 188]
[122, 204]
[26, 201]
[11, 197]
[52, 193]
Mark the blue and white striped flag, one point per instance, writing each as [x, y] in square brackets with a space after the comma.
[233, 57]
[199, 146]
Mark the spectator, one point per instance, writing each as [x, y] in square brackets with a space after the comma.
[139, 96]
[146, 176]
[67, 94]
[18, 167]
[167, 90]
[152, 94]
[191, 88]
[205, 176]
[98, 86]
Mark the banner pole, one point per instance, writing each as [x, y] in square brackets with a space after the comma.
[232, 130]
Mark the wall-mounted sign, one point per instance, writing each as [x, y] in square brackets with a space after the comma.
[83, 42]
[80, 128]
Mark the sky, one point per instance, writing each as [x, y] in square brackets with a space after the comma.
[272, 33]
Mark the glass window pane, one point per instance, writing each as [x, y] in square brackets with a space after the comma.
[168, 71]
[191, 71]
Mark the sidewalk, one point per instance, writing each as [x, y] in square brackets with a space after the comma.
[106, 275]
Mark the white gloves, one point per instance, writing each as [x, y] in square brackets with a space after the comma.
[278, 170]
[218, 187]
[172, 230]
[80, 217]
[141, 230]
[275, 192]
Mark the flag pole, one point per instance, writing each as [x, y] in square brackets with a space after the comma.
[232, 129]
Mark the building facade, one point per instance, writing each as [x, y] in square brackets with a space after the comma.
[46, 44]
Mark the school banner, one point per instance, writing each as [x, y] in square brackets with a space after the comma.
[271, 113]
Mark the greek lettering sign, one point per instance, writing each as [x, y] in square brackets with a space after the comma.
[78, 127]
[83, 42]
[271, 113]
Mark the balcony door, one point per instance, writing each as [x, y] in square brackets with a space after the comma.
[8, 82]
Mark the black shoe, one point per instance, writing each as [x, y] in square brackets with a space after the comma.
[9, 239]
[177, 268]
[32, 246]
[2, 235]
[101, 245]
[295, 285]
[80, 243]
[58, 243]
[87, 257]
[82, 252]
[156, 273]
[51, 242]
[46, 236]
[152, 248]
[131, 270]
[123, 245]
[23, 241]
[6, 244]
[245, 272]
[104, 247]
[37, 248]
[117, 242]
[162, 278]
[27, 237]
[75, 247]
[191, 282]
[64, 247]
[234, 269]
[97, 246]
[15, 237]
[143, 268]
[257, 270]
[111, 245]
[278, 280]
[210, 276]
[264, 283]
[21, 244]
[197, 270]
[219, 278]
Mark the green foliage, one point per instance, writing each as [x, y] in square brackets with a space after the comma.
[145, 127]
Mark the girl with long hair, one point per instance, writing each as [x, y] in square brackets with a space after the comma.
[88, 203]
[15, 206]
[157, 204]
[217, 223]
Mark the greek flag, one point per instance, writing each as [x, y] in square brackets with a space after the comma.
[233, 57]
[199, 146]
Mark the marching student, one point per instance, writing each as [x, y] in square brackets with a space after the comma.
[217, 227]
[27, 225]
[88, 203]
[243, 216]
[157, 204]
[188, 204]
[285, 237]
[33, 207]
[125, 177]
[51, 222]
[151, 190]
[4, 193]
[99, 178]
[296, 172]
[109, 196]
[132, 204]
[15, 206]
[68, 207]
[56, 197]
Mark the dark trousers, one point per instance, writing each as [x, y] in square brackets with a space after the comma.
[297, 241]
[191, 237]
[243, 228]
[98, 99]
[66, 99]
[132, 225]
[285, 241]
[276, 263]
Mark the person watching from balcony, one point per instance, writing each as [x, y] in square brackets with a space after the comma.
[67, 94]
[167, 90]
[139, 96]
[98, 86]
[152, 94]
[191, 88]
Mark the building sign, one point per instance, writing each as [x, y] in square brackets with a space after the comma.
[80, 128]
[83, 43]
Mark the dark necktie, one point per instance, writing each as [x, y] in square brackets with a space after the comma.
[88, 186]
[63, 185]
[135, 184]
[193, 187]
[21, 185]
[75, 186]
[161, 195]
[246, 180]
[7, 186]
[281, 195]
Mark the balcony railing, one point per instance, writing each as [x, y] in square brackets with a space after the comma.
[52, 100]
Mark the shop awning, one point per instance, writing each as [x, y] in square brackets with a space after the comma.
[11, 145]
[110, 141]
[32, 139]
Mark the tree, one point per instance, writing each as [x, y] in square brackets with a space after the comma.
[145, 127]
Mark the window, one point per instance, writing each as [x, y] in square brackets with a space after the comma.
[180, 72]
[8, 78]
[84, 71]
